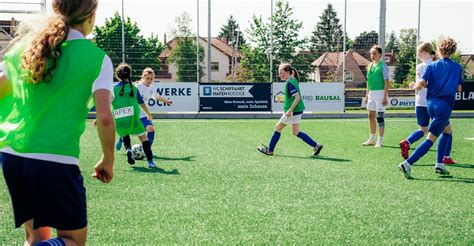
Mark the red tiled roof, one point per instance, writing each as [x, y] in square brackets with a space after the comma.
[335, 59]
[215, 42]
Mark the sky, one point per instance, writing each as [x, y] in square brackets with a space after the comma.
[453, 18]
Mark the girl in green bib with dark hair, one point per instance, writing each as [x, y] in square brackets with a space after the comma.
[126, 106]
[293, 107]
[49, 75]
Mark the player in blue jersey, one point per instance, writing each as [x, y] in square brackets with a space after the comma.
[427, 55]
[443, 79]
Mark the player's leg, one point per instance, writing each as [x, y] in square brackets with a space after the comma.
[295, 130]
[275, 137]
[128, 149]
[423, 119]
[147, 149]
[372, 127]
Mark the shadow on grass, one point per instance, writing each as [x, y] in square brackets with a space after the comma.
[462, 165]
[449, 178]
[188, 158]
[319, 157]
[155, 170]
[411, 149]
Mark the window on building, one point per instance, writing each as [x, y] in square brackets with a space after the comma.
[215, 66]
[349, 76]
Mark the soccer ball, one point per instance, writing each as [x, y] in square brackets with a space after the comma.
[138, 153]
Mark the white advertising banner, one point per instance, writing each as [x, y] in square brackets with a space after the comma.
[183, 95]
[317, 97]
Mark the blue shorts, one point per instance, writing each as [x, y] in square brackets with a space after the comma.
[422, 116]
[439, 111]
[146, 122]
[50, 193]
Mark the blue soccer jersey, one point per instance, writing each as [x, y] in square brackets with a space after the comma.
[443, 77]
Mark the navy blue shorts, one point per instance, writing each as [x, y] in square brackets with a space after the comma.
[422, 116]
[439, 111]
[50, 193]
[146, 122]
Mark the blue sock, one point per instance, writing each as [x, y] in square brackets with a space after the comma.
[420, 151]
[151, 137]
[449, 143]
[415, 136]
[307, 139]
[274, 140]
[52, 242]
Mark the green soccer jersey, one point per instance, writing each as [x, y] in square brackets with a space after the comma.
[289, 99]
[49, 117]
[375, 80]
[127, 111]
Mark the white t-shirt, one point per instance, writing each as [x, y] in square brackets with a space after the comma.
[147, 92]
[420, 95]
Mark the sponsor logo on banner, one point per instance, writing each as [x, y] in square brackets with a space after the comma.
[183, 95]
[465, 99]
[242, 97]
[227, 91]
[317, 97]
[395, 102]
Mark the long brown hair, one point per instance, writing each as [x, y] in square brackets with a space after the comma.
[47, 42]
[428, 48]
[287, 67]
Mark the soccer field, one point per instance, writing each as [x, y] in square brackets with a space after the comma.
[214, 187]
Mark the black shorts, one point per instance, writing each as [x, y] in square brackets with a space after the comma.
[50, 193]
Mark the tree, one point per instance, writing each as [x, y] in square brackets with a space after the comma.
[140, 52]
[184, 54]
[285, 38]
[327, 35]
[232, 33]
[406, 56]
[254, 65]
[365, 41]
[392, 43]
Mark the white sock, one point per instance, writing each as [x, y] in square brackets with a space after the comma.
[380, 139]
[372, 137]
[440, 165]
[447, 157]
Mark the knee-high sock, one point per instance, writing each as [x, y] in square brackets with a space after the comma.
[127, 142]
[147, 148]
[151, 137]
[449, 143]
[307, 139]
[420, 151]
[415, 136]
[274, 140]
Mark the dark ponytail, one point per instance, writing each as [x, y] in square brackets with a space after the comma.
[124, 73]
[295, 73]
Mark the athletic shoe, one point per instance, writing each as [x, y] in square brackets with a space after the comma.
[118, 145]
[405, 148]
[449, 161]
[151, 164]
[441, 169]
[317, 149]
[405, 169]
[378, 144]
[264, 150]
[369, 142]
[130, 159]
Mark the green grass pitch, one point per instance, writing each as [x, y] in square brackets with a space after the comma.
[215, 188]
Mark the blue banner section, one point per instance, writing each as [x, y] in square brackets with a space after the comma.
[235, 97]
